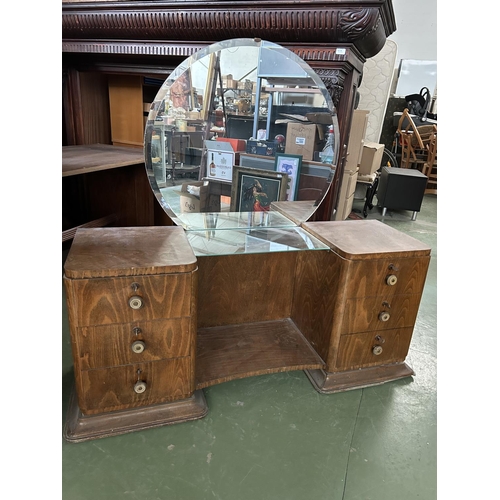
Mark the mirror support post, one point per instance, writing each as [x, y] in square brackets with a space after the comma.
[269, 113]
[256, 111]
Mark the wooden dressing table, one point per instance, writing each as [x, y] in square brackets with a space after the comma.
[159, 313]
[155, 317]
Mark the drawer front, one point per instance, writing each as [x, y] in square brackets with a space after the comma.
[114, 345]
[358, 350]
[104, 301]
[386, 277]
[380, 313]
[113, 388]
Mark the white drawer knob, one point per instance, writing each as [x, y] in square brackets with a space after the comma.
[138, 346]
[384, 316]
[391, 279]
[377, 350]
[135, 302]
[140, 387]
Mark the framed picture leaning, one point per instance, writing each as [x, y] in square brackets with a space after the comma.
[253, 190]
[290, 165]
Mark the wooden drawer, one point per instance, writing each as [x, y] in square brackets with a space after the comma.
[102, 301]
[361, 315]
[368, 278]
[113, 388]
[111, 345]
[356, 350]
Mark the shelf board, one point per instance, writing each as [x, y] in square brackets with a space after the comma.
[291, 90]
[238, 351]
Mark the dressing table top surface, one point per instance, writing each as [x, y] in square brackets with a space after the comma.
[129, 251]
[356, 239]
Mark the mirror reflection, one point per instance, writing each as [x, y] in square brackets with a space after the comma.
[241, 126]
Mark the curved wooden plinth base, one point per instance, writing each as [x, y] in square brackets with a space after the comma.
[328, 382]
[81, 427]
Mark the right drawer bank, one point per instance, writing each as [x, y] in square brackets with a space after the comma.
[373, 305]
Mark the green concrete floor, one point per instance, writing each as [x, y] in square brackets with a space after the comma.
[274, 437]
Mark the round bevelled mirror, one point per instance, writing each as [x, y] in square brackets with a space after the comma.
[241, 126]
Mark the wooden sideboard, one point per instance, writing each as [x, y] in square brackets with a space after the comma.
[106, 185]
[153, 321]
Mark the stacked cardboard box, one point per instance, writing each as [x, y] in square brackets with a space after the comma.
[356, 138]
[301, 139]
[346, 195]
[353, 160]
[371, 158]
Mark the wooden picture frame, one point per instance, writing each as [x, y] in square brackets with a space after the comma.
[290, 165]
[253, 190]
[208, 96]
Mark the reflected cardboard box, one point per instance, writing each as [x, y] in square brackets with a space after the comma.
[301, 139]
[220, 159]
[195, 197]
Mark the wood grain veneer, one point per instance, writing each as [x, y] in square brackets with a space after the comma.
[104, 301]
[237, 351]
[129, 251]
[318, 278]
[367, 278]
[356, 350]
[234, 289]
[105, 268]
[360, 239]
[112, 388]
[379, 270]
[362, 315]
[167, 338]
[213, 319]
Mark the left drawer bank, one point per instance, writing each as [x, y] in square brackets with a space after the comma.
[131, 295]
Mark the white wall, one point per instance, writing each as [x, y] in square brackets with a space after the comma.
[415, 38]
[416, 29]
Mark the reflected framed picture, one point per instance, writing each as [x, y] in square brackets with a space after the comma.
[253, 190]
[181, 92]
[290, 165]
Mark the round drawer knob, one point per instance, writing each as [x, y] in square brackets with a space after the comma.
[138, 346]
[140, 387]
[384, 316]
[391, 279]
[135, 302]
[377, 350]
